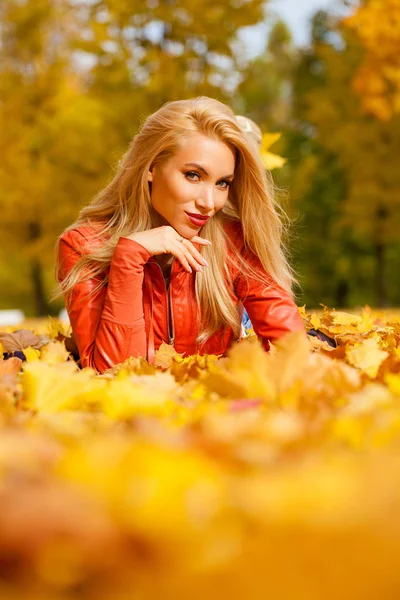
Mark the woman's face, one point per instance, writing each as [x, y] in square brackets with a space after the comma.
[191, 184]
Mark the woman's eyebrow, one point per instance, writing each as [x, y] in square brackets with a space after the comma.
[200, 168]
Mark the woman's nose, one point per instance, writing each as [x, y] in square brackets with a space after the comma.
[206, 199]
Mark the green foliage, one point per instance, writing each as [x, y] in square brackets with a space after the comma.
[341, 176]
[364, 153]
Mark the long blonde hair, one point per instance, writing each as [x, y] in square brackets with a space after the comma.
[124, 207]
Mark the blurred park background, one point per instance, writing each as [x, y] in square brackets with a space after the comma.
[77, 77]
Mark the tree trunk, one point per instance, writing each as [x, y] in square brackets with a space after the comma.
[40, 301]
[381, 215]
[342, 294]
[380, 285]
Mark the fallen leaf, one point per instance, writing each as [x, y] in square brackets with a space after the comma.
[315, 321]
[54, 353]
[164, 356]
[343, 318]
[21, 339]
[366, 356]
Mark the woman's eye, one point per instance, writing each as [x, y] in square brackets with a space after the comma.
[225, 184]
[192, 175]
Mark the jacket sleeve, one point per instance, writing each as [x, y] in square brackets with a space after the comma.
[271, 309]
[108, 326]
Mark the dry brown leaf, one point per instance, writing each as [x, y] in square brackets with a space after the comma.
[18, 340]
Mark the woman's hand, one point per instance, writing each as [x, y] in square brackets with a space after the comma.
[166, 240]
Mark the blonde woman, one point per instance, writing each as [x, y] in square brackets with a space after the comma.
[184, 236]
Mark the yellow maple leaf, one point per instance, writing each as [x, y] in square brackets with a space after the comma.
[250, 372]
[164, 356]
[191, 367]
[367, 320]
[272, 161]
[343, 318]
[56, 327]
[132, 365]
[242, 374]
[54, 353]
[269, 160]
[53, 388]
[31, 354]
[366, 356]
[315, 321]
[302, 311]
[269, 139]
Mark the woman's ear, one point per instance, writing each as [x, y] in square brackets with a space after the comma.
[150, 174]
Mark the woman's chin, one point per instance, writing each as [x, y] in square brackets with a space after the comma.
[188, 231]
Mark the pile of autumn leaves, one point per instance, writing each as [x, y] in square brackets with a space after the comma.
[200, 477]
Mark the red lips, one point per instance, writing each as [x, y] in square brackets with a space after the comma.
[198, 216]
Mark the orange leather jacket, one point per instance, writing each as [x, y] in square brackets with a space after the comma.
[130, 315]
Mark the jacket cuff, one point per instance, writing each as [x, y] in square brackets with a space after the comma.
[131, 250]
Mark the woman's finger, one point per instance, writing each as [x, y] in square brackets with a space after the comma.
[192, 261]
[195, 253]
[180, 252]
[189, 259]
[199, 240]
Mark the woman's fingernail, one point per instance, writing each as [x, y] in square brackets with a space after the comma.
[208, 242]
[205, 262]
[190, 270]
[199, 268]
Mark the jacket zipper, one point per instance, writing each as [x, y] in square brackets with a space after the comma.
[170, 314]
[171, 334]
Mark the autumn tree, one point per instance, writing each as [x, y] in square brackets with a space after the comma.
[142, 55]
[362, 152]
[269, 93]
[377, 79]
[50, 143]
[77, 78]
